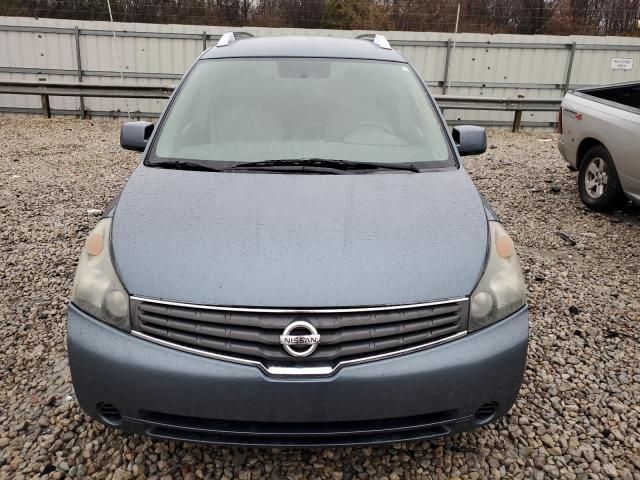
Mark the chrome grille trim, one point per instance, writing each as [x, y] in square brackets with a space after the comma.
[298, 371]
[381, 308]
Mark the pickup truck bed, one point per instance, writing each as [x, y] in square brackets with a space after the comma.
[600, 137]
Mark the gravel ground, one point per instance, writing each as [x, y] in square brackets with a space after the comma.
[577, 414]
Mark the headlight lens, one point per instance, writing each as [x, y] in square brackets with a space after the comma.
[96, 287]
[501, 290]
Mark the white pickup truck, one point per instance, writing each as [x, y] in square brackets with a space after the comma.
[600, 137]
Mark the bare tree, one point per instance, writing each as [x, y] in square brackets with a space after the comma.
[594, 17]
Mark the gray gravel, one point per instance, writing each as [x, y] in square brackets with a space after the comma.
[577, 414]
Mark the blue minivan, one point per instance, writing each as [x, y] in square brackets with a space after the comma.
[300, 259]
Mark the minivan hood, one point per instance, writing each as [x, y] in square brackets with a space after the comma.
[299, 240]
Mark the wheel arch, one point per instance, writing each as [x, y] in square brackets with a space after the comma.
[585, 145]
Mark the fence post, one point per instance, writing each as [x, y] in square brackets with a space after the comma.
[517, 120]
[204, 41]
[445, 82]
[83, 112]
[567, 80]
[46, 108]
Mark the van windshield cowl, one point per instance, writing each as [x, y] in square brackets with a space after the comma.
[354, 114]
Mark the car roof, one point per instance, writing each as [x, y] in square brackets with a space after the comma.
[308, 46]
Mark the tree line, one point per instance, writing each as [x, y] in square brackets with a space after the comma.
[559, 17]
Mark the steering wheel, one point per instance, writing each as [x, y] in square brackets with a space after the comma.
[369, 123]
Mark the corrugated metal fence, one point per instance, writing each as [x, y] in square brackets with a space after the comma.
[516, 66]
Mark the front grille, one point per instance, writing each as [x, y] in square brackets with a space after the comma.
[253, 335]
[298, 434]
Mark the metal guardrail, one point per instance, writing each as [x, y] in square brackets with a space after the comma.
[77, 89]
[516, 105]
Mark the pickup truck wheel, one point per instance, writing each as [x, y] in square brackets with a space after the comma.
[598, 181]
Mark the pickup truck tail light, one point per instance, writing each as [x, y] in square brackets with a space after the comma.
[559, 122]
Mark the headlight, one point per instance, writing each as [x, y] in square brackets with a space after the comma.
[501, 290]
[96, 287]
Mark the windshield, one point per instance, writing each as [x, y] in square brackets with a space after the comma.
[252, 110]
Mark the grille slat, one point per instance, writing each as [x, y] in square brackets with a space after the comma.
[273, 337]
[329, 352]
[255, 336]
[359, 333]
[325, 321]
[238, 333]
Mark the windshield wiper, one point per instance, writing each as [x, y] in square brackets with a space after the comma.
[321, 164]
[311, 165]
[184, 165]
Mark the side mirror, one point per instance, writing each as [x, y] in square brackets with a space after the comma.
[135, 135]
[469, 139]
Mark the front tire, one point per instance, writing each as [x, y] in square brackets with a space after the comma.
[598, 181]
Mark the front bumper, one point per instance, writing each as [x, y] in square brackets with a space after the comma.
[165, 393]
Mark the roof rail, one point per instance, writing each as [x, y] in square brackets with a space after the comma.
[230, 37]
[377, 39]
